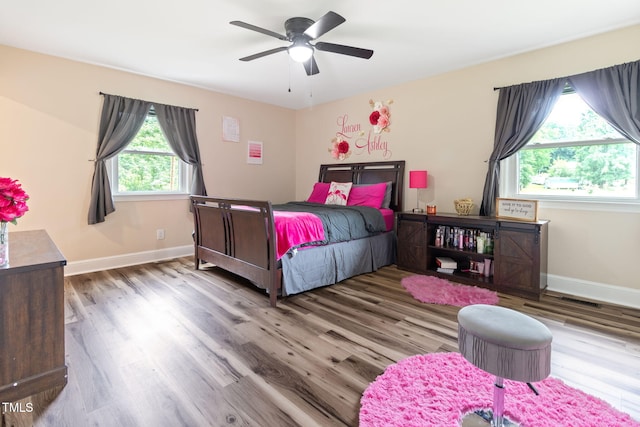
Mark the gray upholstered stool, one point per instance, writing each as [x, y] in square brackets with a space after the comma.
[505, 343]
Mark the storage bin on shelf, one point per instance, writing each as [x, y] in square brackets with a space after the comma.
[463, 206]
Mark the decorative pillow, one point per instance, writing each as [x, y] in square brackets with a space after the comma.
[338, 193]
[386, 202]
[367, 195]
[319, 192]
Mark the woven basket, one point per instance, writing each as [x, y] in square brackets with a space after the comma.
[463, 206]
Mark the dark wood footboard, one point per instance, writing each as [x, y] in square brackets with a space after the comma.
[238, 236]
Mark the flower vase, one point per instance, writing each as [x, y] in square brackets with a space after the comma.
[4, 244]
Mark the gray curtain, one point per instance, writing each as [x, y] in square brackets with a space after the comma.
[613, 93]
[521, 111]
[179, 127]
[120, 122]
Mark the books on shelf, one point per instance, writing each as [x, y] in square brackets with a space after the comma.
[446, 262]
[445, 270]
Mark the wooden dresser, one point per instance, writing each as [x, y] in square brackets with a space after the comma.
[32, 356]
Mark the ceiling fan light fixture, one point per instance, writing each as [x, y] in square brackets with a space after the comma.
[300, 32]
[300, 51]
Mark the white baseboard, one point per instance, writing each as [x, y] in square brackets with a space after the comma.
[125, 260]
[566, 285]
[594, 291]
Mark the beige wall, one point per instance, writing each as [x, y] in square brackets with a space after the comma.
[445, 124]
[50, 110]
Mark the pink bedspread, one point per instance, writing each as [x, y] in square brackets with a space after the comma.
[389, 217]
[296, 228]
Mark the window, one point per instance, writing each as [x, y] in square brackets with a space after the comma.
[575, 155]
[148, 166]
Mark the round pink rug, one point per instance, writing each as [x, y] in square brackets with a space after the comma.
[438, 389]
[434, 290]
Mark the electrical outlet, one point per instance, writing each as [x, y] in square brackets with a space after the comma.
[160, 234]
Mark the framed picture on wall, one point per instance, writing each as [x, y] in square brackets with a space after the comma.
[254, 153]
[230, 129]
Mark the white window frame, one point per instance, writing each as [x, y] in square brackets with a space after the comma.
[509, 186]
[510, 179]
[184, 180]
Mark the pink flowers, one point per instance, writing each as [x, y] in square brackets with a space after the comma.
[339, 149]
[13, 200]
[373, 117]
[343, 147]
[380, 117]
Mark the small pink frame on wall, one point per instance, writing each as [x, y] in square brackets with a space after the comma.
[254, 153]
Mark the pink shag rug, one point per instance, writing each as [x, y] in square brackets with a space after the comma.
[439, 389]
[431, 289]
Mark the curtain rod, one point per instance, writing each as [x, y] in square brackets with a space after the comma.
[567, 77]
[535, 81]
[567, 87]
[156, 103]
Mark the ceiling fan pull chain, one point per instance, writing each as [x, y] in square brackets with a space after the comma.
[289, 66]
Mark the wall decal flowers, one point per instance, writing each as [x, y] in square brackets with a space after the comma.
[380, 116]
[340, 149]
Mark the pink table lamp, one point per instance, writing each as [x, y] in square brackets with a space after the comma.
[417, 179]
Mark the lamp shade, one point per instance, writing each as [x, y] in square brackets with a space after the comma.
[301, 51]
[418, 179]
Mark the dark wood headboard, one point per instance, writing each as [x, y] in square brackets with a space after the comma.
[369, 173]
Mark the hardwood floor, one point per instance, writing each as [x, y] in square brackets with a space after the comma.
[165, 345]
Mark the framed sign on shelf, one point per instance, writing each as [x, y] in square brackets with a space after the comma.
[519, 209]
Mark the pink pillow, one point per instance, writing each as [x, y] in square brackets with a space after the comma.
[367, 195]
[319, 192]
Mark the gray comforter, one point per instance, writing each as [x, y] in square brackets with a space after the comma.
[341, 223]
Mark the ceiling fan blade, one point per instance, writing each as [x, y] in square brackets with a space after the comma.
[344, 50]
[258, 29]
[311, 67]
[265, 53]
[328, 22]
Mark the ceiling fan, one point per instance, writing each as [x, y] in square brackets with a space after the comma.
[300, 32]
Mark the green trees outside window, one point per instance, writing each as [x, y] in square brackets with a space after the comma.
[148, 164]
[577, 153]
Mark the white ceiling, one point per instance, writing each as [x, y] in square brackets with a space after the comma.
[192, 42]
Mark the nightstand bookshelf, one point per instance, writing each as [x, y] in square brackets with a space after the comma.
[518, 258]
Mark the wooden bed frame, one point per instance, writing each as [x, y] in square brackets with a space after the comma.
[240, 240]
